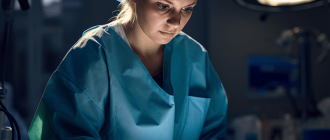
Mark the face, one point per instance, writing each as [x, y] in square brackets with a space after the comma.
[162, 20]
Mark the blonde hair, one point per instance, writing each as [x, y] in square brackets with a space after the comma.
[127, 14]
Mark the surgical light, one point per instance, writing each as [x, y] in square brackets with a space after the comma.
[280, 5]
[283, 2]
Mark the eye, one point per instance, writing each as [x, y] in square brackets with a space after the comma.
[162, 6]
[187, 9]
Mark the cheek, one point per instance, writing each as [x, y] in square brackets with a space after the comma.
[148, 18]
[184, 21]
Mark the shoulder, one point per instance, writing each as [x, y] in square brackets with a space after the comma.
[95, 35]
[183, 38]
[85, 66]
[86, 57]
[183, 44]
[87, 47]
[92, 43]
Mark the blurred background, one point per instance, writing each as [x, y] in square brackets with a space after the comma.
[258, 56]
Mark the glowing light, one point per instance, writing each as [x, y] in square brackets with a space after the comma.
[52, 8]
[283, 2]
[47, 3]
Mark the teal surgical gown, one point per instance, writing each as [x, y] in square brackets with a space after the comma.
[101, 90]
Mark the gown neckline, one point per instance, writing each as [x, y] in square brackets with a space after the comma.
[127, 46]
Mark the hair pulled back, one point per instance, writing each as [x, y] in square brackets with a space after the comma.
[127, 14]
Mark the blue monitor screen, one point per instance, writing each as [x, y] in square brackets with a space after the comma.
[272, 76]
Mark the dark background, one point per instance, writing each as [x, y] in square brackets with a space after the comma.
[40, 39]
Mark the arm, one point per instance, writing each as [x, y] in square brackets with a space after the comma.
[73, 104]
[215, 125]
[66, 112]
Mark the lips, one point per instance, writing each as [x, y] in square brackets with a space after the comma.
[167, 34]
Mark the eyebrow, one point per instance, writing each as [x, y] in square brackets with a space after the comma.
[187, 5]
[168, 2]
[192, 3]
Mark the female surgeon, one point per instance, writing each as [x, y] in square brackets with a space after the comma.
[136, 78]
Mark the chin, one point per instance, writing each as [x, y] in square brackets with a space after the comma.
[163, 41]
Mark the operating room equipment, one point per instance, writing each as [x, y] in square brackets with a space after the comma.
[302, 35]
[8, 6]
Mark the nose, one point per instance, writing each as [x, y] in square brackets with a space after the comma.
[174, 19]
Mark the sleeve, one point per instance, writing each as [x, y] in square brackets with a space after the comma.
[215, 125]
[72, 106]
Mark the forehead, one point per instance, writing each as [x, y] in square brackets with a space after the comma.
[177, 2]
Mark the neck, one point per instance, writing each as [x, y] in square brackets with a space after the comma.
[141, 44]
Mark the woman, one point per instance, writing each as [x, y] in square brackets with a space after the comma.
[138, 78]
